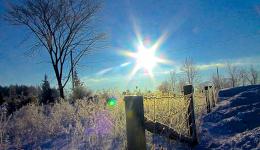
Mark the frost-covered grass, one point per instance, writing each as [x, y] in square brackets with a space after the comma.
[172, 110]
[90, 125]
[4, 121]
[84, 125]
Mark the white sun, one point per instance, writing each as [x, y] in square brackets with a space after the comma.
[145, 58]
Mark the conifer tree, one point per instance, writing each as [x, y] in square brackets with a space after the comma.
[79, 91]
[46, 95]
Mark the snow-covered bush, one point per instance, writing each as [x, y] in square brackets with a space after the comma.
[83, 124]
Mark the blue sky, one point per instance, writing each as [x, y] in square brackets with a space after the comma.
[211, 32]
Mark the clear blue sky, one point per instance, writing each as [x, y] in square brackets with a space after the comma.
[210, 31]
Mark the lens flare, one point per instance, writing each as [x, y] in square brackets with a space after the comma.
[111, 101]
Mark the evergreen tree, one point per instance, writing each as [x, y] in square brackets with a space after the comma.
[77, 82]
[46, 95]
[79, 91]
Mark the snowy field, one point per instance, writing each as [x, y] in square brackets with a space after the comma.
[235, 122]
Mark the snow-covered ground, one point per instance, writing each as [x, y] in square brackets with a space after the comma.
[235, 122]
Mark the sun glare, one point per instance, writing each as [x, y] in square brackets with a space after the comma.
[145, 57]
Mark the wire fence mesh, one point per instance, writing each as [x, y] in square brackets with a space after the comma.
[172, 110]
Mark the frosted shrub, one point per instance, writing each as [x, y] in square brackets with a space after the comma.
[4, 120]
[29, 125]
[83, 124]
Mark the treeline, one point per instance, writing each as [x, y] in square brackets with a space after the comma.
[16, 96]
[234, 76]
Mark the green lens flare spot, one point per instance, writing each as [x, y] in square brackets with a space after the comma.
[111, 101]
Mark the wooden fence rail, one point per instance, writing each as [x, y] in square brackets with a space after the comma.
[164, 130]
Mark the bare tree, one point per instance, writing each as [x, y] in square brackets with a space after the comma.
[243, 76]
[62, 27]
[181, 83]
[190, 70]
[164, 87]
[252, 76]
[233, 72]
[217, 81]
[172, 80]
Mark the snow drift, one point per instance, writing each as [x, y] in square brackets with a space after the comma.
[235, 122]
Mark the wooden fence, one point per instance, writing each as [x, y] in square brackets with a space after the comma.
[137, 123]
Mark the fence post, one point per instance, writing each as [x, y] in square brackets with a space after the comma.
[206, 88]
[188, 90]
[213, 96]
[135, 122]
